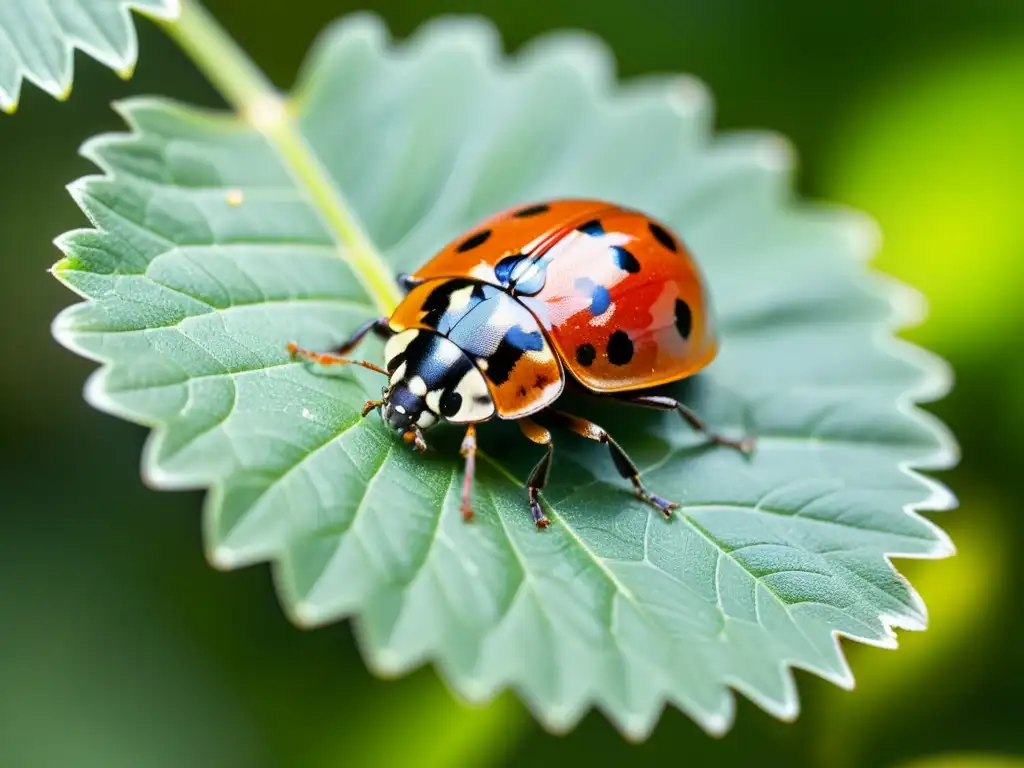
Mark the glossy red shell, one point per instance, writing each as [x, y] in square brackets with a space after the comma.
[617, 293]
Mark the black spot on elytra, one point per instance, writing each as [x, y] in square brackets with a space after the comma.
[600, 300]
[662, 236]
[626, 260]
[684, 318]
[585, 354]
[533, 210]
[592, 228]
[450, 403]
[513, 346]
[522, 391]
[472, 242]
[620, 348]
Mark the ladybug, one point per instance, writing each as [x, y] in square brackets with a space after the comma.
[580, 292]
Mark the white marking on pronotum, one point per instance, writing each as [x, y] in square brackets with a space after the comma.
[426, 419]
[396, 344]
[417, 386]
[400, 408]
[434, 400]
[398, 375]
[476, 398]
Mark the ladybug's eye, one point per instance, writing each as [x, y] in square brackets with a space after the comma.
[451, 402]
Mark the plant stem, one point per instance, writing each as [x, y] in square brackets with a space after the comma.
[257, 101]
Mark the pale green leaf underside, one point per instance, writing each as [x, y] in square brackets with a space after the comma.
[193, 297]
[38, 38]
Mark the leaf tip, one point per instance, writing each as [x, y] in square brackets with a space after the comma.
[126, 71]
[776, 153]
[224, 558]
[862, 232]
[308, 615]
[66, 264]
[689, 94]
[716, 724]
[944, 546]
[387, 664]
[636, 727]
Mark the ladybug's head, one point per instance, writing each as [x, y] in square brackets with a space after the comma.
[431, 380]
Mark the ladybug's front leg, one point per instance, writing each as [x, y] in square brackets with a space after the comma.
[469, 451]
[328, 358]
[335, 357]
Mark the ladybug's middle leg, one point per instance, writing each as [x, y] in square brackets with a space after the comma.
[623, 463]
[539, 477]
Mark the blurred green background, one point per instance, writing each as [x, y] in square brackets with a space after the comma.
[121, 646]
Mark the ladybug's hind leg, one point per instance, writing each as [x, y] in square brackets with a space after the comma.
[659, 403]
[623, 463]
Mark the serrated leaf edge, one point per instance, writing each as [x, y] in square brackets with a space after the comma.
[124, 66]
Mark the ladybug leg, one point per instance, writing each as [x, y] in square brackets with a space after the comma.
[406, 281]
[623, 463]
[379, 326]
[469, 451]
[659, 403]
[327, 358]
[371, 405]
[539, 477]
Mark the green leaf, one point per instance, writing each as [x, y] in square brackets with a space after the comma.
[38, 38]
[207, 257]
